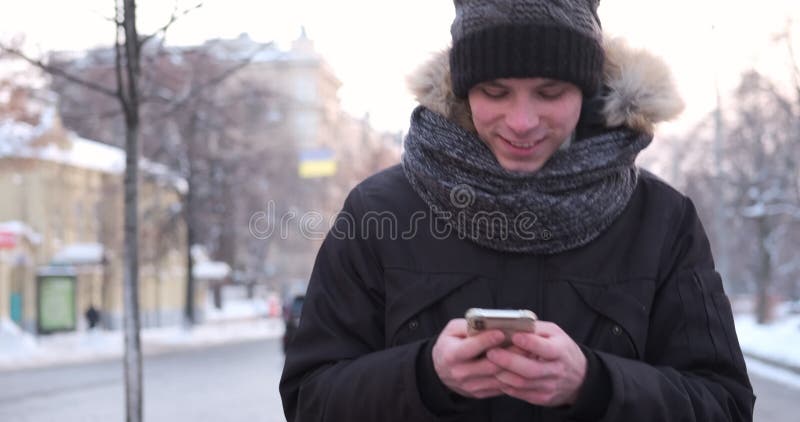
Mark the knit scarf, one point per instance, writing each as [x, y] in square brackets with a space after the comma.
[566, 204]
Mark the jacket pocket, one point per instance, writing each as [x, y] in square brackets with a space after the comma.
[621, 310]
[419, 305]
[708, 316]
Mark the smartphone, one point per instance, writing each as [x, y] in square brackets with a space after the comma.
[509, 321]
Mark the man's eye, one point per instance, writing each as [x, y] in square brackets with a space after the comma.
[551, 94]
[494, 92]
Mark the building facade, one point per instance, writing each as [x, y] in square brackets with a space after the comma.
[63, 209]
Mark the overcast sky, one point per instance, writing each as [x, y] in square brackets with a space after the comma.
[373, 44]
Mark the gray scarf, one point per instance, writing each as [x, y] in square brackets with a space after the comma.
[578, 193]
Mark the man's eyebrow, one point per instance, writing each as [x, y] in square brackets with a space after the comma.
[550, 83]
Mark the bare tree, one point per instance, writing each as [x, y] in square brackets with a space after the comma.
[211, 128]
[755, 186]
[127, 69]
[222, 132]
[762, 156]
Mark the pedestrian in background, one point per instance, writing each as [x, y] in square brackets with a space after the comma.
[92, 316]
[518, 190]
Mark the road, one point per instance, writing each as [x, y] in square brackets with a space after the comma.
[235, 382]
[775, 402]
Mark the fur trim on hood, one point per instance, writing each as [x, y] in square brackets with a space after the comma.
[639, 90]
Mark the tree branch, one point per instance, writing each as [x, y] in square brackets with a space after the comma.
[174, 18]
[794, 68]
[55, 71]
[212, 82]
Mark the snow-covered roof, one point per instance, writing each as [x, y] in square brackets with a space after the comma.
[21, 229]
[56, 270]
[85, 154]
[211, 270]
[16, 138]
[79, 254]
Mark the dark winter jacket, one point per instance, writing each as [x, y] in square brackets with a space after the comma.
[643, 300]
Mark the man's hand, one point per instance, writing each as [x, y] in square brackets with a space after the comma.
[545, 368]
[461, 364]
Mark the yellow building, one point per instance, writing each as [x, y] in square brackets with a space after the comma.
[18, 244]
[63, 207]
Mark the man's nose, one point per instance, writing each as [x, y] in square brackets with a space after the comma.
[522, 117]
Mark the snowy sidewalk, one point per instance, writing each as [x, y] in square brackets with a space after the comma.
[238, 322]
[777, 343]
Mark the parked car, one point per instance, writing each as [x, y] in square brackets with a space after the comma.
[291, 317]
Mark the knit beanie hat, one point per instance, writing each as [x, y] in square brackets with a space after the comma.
[556, 39]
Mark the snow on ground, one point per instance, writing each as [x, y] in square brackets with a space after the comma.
[772, 350]
[239, 320]
[14, 343]
[778, 341]
[238, 309]
[774, 373]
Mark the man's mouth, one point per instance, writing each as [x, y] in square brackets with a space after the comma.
[522, 144]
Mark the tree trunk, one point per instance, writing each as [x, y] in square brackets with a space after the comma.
[159, 285]
[189, 213]
[133, 357]
[130, 104]
[764, 274]
[189, 318]
[217, 294]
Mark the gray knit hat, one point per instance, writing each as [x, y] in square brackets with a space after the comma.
[558, 39]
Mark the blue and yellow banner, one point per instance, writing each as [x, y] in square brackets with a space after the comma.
[317, 163]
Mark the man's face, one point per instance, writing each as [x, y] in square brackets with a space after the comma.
[525, 121]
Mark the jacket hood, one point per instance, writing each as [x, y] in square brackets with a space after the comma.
[639, 90]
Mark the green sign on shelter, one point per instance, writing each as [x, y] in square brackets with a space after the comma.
[56, 302]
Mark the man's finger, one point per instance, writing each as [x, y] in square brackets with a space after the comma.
[456, 328]
[476, 345]
[520, 365]
[471, 369]
[510, 379]
[547, 329]
[538, 346]
[486, 385]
